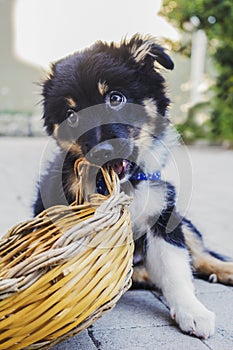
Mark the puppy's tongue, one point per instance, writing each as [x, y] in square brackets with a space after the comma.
[120, 167]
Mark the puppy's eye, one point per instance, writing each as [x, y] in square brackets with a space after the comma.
[115, 100]
[72, 118]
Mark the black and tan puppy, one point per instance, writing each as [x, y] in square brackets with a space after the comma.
[108, 104]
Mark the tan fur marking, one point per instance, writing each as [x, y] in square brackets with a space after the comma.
[140, 275]
[73, 147]
[55, 130]
[66, 145]
[72, 185]
[150, 107]
[221, 271]
[206, 264]
[145, 141]
[71, 102]
[139, 53]
[102, 87]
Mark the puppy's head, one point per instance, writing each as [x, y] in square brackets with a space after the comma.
[108, 102]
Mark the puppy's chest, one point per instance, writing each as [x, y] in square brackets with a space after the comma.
[148, 202]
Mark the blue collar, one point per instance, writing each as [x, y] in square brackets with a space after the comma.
[141, 176]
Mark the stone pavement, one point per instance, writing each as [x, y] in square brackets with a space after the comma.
[140, 321]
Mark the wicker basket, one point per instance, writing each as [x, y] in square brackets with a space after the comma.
[62, 270]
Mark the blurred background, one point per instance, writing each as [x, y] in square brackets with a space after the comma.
[34, 33]
[198, 36]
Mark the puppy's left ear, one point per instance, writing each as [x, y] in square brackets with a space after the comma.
[145, 51]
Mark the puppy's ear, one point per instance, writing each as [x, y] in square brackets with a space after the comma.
[145, 51]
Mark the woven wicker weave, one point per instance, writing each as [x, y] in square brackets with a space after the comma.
[62, 270]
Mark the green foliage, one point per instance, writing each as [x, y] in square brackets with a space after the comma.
[191, 129]
[216, 18]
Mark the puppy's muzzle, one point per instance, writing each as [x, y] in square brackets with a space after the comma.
[109, 150]
[101, 153]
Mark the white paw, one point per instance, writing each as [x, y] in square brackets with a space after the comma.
[195, 319]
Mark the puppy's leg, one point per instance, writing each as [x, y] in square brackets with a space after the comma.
[169, 269]
[206, 264]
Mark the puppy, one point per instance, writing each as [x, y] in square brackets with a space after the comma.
[108, 103]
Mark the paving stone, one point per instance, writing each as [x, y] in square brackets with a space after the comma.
[222, 340]
[82, 341]
[150, 338]
[135, 309]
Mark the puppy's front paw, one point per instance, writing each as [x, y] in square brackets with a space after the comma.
[195, 319]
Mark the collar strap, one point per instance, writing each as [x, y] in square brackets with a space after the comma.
[141, 176]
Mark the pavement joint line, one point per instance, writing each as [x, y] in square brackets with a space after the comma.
[135, 327]
[212, 292]
[159, 297]
[95, 341]
[207, 345]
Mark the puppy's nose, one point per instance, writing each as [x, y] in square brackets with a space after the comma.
[101, 153]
